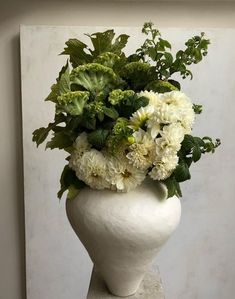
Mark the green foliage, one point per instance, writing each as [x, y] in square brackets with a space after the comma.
[61, 86]
[196, 48]
[173, 187]
[72, 102]
[77, 52]
[197, 108]
[191, 150]
[98, 138]
[61, 140]
[157, 49]
[70, 182]
[119, 135]
[126, 101]
[103, 42]
[40, 135]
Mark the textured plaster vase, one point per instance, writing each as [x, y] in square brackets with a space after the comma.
[123, 232]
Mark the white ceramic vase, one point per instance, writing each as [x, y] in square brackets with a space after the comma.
[123, 232]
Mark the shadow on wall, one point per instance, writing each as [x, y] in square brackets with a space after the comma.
[17, 114]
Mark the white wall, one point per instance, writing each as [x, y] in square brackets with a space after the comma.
[13, 13]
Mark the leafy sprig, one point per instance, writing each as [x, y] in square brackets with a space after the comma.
[191, 150]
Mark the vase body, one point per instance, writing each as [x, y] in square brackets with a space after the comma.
[123, 232]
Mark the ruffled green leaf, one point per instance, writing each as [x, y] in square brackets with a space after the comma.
[77, 52]
[60, 140]
[103, 42]
[41, 134]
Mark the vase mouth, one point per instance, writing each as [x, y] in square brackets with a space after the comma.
[157, 187]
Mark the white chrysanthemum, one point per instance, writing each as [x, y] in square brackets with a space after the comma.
[164, 167]
[166, 114]
[173, 133]
[123, 176]
[153, 97]
[180, 102]
[176, 98]
[142, 151]
[140, 117]
[92, 169]
[187, 119]
[81, 145]
[170, 142]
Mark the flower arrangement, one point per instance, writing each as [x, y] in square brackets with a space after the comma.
[123, 118]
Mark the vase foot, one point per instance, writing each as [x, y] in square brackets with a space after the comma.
[151, 288]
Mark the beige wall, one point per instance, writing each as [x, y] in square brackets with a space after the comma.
[13, 13]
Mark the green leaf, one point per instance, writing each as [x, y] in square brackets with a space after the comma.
[197, 108]
[64, 81]
[88, 120]
[98, 138]
[72, 192]
[69, 181]
[76, 50]
[181, 173]
[39, 135]
[173, 187]
[60, 140]
[196, 153]
[103, 42]
[111, 112]
[175, 83]
[53, 95]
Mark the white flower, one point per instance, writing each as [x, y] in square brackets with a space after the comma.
[176, 98]
[173, 133]
[180, 102]
[142, 151]
[153, 97]
[164, 167]
[123, 176]
[170, 141]
[187, 119]
[139, 118]
[92, 169]
[81, 145]
[166, 114]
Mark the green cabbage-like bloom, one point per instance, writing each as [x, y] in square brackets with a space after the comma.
[108, 59]
[160, 86]
[95, 78]
[72, 102]
[117, 96]
[137, 74]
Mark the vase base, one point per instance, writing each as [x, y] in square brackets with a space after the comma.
[151, 288]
